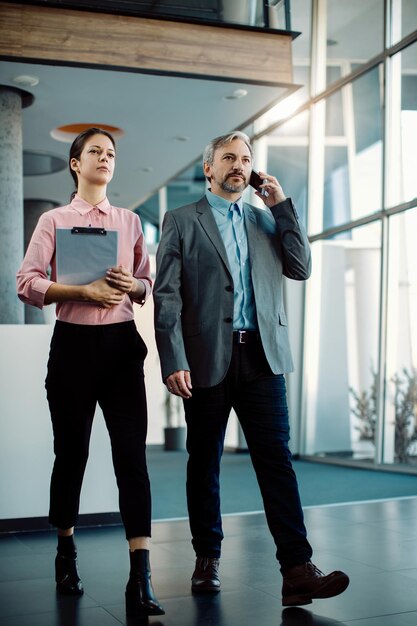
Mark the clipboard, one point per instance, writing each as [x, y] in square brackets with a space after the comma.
[84, 254]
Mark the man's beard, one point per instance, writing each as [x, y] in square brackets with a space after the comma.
[226, 185]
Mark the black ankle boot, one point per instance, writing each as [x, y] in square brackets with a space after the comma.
[68, 581]
[140, 596]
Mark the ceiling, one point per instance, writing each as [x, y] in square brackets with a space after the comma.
[167, 122]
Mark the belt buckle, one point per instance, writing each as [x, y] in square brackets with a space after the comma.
[241, 336]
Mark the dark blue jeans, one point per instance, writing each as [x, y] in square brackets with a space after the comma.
[259, 399]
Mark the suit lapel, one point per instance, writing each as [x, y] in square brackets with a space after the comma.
[208, 223]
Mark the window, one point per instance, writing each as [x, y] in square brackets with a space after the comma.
[342, 343]
[287, 159]
[402, 181]
[353, 151]
[400, 424]
[404, 19]
[354, 33]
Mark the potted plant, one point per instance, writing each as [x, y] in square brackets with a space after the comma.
[405, 405]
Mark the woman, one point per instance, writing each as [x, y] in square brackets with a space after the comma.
[96, 355]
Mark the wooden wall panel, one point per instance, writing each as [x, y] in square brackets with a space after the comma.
[10, 30]
[99, 39]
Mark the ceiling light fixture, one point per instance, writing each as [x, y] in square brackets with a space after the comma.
[69, 132]
[26, 81]
[237, 94]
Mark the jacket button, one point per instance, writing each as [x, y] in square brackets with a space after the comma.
[229, 288]
[229, 320]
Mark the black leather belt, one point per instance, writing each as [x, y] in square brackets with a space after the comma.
[245, 336]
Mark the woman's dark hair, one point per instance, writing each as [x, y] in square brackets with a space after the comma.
[77, 147]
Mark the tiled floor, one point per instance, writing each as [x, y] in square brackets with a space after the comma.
[374, 542]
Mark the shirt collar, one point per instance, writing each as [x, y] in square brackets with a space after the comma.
[221, 204]
[83, 207]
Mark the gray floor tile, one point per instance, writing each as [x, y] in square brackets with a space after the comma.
[71, 616]
[399, 619]
[375, 543]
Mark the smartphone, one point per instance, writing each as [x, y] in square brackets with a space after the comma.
[256, 181]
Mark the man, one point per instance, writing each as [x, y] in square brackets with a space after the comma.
[222, 338]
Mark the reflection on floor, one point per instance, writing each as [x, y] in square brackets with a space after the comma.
[374, 542]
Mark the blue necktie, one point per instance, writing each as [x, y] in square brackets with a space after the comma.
[237, 223]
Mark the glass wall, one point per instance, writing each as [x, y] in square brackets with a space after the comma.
[287, 159]
[400, 424]
[187, 187]
[360, 337]
[404, 19]
[341, 347]
[346, 155]
[353, 151]
[402, 181]
[355, 33]
[408, 122]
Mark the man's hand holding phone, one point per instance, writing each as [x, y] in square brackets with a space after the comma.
[256, 181]
[267, 188]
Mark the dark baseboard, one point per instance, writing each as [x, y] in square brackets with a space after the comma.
[31, 524]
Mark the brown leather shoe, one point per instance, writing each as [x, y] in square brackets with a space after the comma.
[303, 583]
[205, 578]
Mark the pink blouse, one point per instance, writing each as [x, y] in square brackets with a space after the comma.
[33, 280]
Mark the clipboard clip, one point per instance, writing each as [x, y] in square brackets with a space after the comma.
[87, 230]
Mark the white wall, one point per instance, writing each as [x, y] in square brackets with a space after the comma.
[25, 442]
[26, 454]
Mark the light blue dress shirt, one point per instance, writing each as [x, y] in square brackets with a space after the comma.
[230, 220]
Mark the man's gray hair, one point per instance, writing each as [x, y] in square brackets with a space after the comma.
[218, 142]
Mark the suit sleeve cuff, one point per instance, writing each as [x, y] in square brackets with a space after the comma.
[285, 207]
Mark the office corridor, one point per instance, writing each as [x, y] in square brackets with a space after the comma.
[374, 542]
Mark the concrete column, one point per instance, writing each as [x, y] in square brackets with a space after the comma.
[33, 209]
[11, 200]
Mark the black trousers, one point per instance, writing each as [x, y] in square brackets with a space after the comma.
[259, 399]
[104, 364]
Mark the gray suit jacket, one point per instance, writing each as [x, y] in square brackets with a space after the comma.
[193, 290]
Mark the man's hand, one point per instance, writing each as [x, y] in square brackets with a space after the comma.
[179, 383]
[274, 189]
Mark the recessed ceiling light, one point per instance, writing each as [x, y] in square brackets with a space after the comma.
[26, 81]
[237, 94]
[69, 132]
